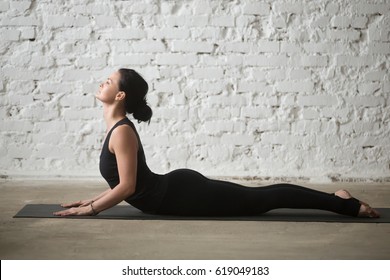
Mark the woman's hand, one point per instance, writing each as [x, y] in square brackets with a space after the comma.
[76, 211]
[79, 203]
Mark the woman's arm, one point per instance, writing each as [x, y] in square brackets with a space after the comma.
[123, 143]
[85, 202]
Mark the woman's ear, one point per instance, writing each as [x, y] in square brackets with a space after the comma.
[121, 95]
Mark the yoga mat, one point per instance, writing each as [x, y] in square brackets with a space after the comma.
[128, 212]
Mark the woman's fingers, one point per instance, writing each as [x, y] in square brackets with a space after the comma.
[79, 203]
[73, 204]
[74, 211]
[86, 203]
[67, 212]
[67, 205]
[63, 213]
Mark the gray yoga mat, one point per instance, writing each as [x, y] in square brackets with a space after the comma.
[127, 212]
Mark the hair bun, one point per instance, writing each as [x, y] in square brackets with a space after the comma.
[143, 113]
[136, 89]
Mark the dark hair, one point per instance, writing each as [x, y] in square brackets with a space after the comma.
[135, 88]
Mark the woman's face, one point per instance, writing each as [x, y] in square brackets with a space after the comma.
[109, 89]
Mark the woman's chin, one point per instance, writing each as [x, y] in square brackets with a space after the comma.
[97, 96]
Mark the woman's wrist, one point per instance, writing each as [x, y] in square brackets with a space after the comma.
[94, 212]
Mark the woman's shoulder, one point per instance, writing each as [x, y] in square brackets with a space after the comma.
[124, 131]
[123, 135]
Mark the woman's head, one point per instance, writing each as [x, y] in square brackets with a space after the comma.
[135, 88]
[127, 86]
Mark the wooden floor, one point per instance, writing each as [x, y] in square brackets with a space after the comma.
[118, 239]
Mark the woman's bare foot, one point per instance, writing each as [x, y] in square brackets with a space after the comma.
[365, 209]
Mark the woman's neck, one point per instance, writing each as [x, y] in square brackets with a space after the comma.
[112, 115]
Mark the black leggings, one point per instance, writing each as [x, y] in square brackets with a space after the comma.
[189, 193]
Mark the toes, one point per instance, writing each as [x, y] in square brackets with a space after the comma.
[374, 213]
[367, 211]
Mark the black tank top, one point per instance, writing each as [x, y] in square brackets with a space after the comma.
[148, 192]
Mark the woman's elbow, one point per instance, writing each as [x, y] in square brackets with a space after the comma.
[127, 190]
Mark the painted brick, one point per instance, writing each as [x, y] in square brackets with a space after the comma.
[10, 35]
[369, 88]
[262, 60]
[287, 47]
[310, 114]
[28, 33]
[222, 20]
[279, 138]
[365, 8]
[106, 21]
[21, 21]
[4, 6]
[132, 59]
[176, 59]
[359, 22]
[18, 151]
[264, 100]
[135, 8]
[127, 33]
[341, 22]
[70, 114]
[77, 101]
[317, 100]
[202, 7]
[291, 88]
[375, 76]
[312, 60]
[74, 75]
[66, 21]
[17, 125]
[39, 62]
[239, 47]
[169, 33]
[332, 8]
[237, 140]
[300, 74]
[219, 126]
[354, 61]
[310, 47]
[167, 86]
[379, 48]
[197, 21]
[386, 86]
[321, 22]
[22, 100]
[256, 9]
[210, 86]
[248, 86]
[91, 62]
[256, 112]
[303, 126]
[345, 35]
[295, 86]
[366, 101]
[20, 6]
[208, 73]
[189, 47]
[286, 7]
[148, 46]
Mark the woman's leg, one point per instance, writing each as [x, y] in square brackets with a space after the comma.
[190, 193]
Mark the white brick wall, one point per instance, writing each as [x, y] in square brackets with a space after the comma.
[285, 88]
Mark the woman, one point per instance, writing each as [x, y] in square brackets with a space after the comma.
[183, 191]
